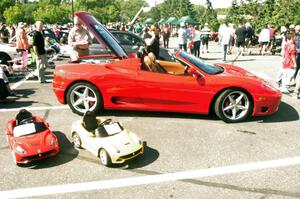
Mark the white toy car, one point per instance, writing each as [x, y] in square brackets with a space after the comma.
[106, 139]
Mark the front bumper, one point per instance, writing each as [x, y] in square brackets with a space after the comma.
[266, 105]
[123, 158]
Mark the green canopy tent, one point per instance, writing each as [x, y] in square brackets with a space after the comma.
[162, 21]
[172, 21]
[188, 20]
[149, 21]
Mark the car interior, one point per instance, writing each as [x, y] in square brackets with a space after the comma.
[151, 64]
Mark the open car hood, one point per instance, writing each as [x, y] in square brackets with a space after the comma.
[100, 32]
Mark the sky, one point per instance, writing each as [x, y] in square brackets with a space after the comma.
[215, 3]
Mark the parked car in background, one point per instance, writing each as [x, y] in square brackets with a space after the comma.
[7, 52]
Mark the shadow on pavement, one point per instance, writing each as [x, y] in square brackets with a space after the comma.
[14, 103]
[123, 113]
[285, 113]
[66, 154]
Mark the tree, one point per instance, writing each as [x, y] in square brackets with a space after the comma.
[13, 14]
[52, 14]
[177, 8]
[4, 4]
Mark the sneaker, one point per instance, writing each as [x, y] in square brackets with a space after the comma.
[295, 95]
[284, 90]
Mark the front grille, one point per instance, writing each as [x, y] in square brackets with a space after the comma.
[39, 156]
[131, 155]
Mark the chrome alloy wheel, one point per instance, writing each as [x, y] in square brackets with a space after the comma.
[103, 157]
[235, 105]
[76, 140]
[83, 98]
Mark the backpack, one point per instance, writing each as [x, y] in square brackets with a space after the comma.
[204, 36]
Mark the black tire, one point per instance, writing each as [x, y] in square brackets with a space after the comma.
[81, 108]
[231, 109]
[4, 58]
[104, 158]
[76, 140]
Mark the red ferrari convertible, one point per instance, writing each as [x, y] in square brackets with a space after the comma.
[110, 79]
[29, 138]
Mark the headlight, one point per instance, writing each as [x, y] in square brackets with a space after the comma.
[269, 86]
[20, 150]
[52, 141]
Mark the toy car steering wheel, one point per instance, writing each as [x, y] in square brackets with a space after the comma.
[105, 122]
[26, 121]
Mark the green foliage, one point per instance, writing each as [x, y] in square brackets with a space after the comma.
[259, 14]
[176, 8]
[13, 14]
[4, 4]
[52, 14]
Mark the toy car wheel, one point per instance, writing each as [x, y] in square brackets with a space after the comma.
[76, 140]
[233, 105]
[83, 97]
[104, 157]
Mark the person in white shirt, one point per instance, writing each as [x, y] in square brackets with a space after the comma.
[197, 41]
[182, 36]
[205, 35]
[263, 39]
[225, 34]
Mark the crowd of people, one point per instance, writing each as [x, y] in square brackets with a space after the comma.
[191, 38]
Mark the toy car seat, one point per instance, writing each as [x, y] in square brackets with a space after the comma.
[90, 121]
[24, 117]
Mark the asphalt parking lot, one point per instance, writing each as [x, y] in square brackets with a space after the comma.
[186, 155]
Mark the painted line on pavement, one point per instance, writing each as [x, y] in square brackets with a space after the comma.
[35, 108]
[147, 179]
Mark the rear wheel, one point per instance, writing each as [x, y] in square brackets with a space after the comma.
[76, 140]
[83, 97]
[104, 157]
[233, 105]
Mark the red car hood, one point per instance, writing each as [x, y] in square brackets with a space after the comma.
[103, 36]
[231, 70]
[35, 141]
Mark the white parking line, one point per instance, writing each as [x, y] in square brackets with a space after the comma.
[34, 108]
[148, 179]
[19, 83]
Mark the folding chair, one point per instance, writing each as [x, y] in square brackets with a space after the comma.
[20, 65]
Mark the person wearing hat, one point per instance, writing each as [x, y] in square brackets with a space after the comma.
[79, 39]
[205, 34]
[182, 36]
[21, 39]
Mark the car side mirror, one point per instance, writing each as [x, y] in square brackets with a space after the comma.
[194, 73]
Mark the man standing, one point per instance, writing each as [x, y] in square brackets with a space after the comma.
[183, 37]
[240, 33]
[39, 49]
[205, 35]
[79, 39]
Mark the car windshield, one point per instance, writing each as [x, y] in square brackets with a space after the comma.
[30, 128]
[209, 69]
[109, 40]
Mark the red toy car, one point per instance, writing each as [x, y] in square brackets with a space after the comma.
[29, 138]
[109, 78]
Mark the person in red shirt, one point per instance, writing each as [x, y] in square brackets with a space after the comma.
[272, 36]
[288, 63]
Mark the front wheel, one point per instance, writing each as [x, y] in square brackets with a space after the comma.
[233, 105]
[83, 97]
[76, 140]
[104, 157]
